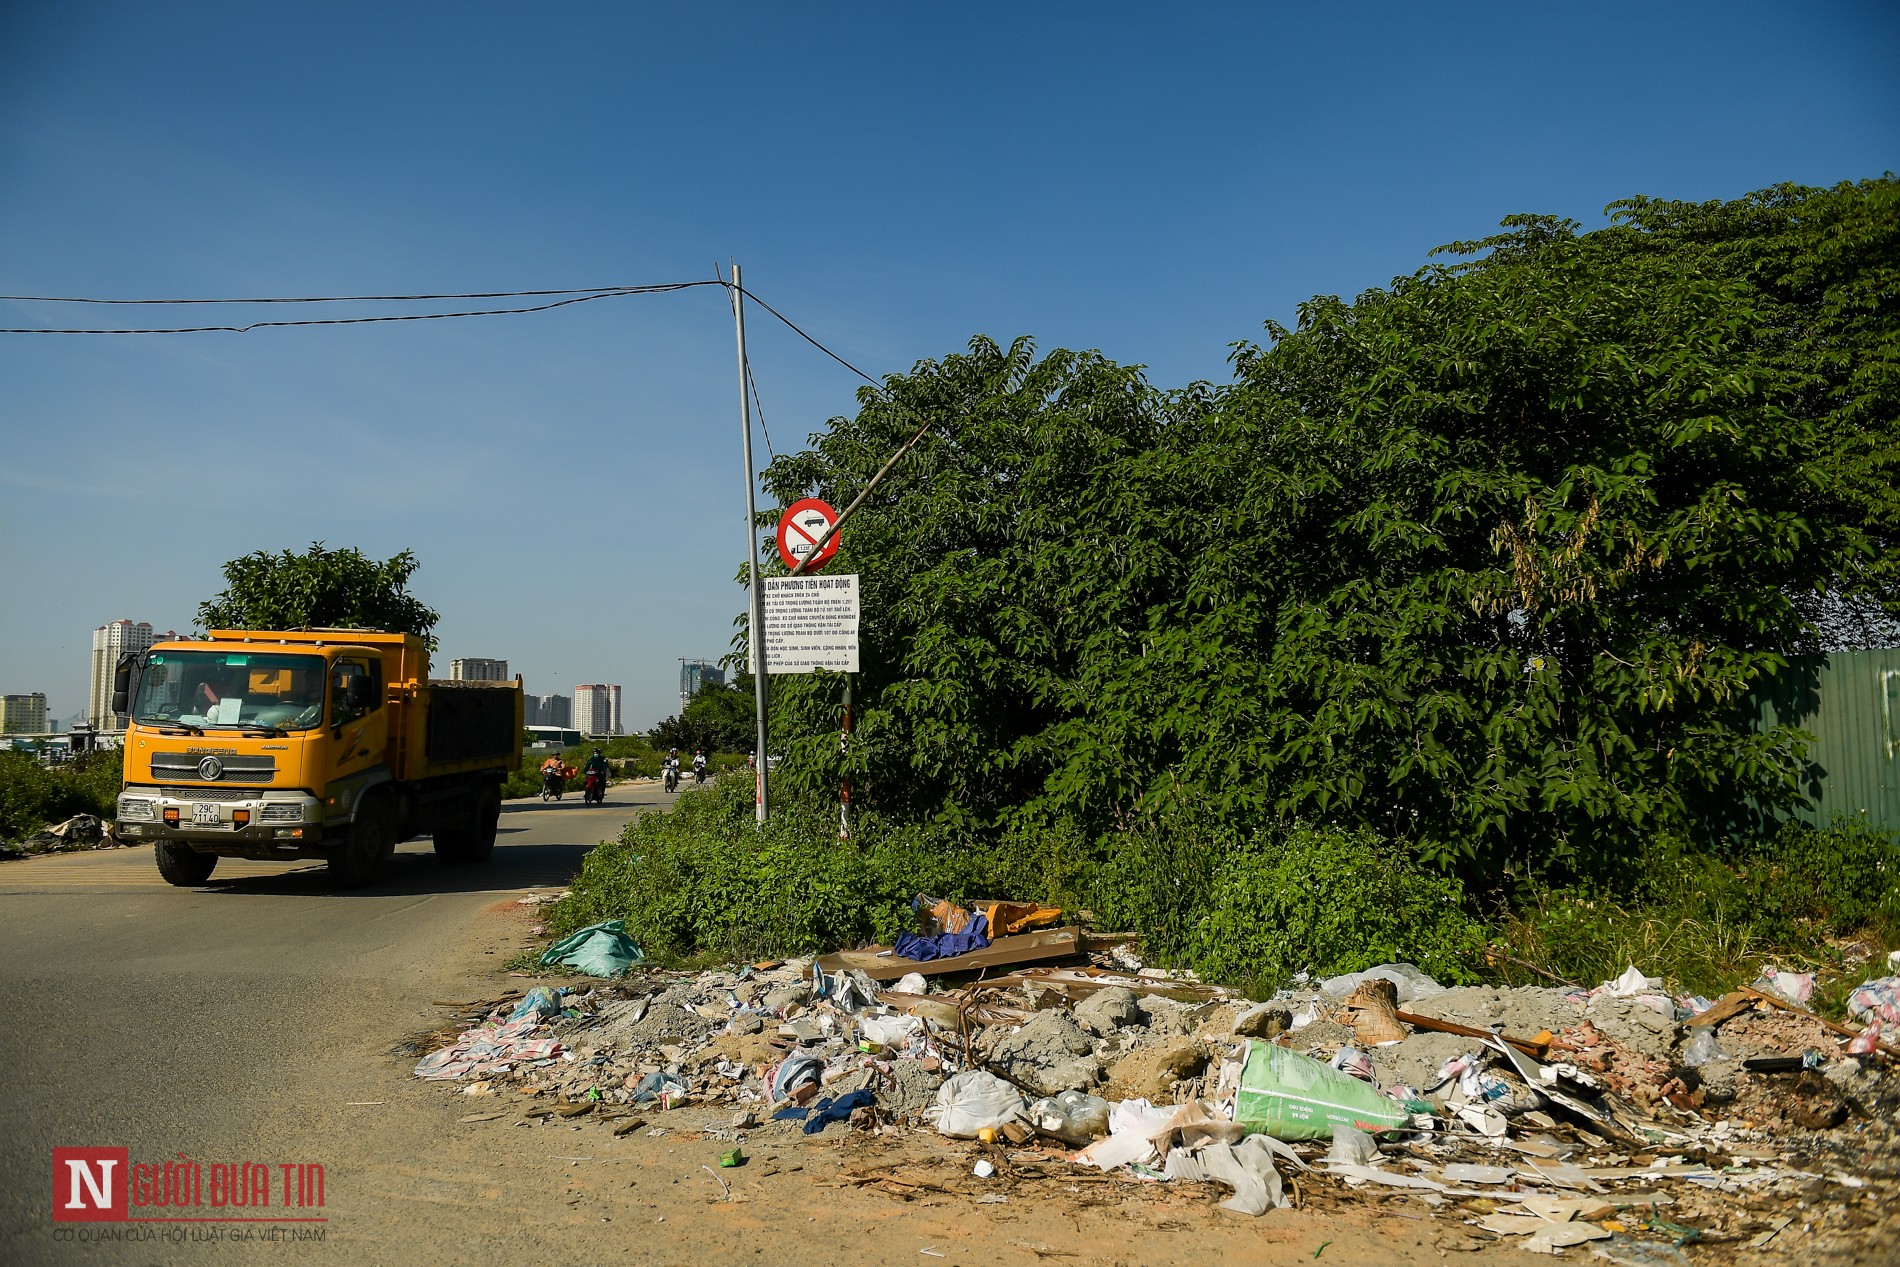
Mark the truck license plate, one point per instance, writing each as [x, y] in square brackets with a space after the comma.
[204, 814]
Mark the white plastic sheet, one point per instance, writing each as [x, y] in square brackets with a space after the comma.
[974, 1100]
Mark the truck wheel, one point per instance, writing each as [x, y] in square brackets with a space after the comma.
[182, 865]
[473, 841]
[360, 858]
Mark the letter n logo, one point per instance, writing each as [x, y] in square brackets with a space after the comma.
[89, 1184]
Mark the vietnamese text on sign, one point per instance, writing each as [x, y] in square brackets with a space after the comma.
[811, 622]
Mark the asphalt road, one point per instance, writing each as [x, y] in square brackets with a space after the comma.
[247, 1021]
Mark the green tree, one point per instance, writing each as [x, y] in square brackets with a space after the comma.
[320, 588]
[719, 718]
[1482, 561]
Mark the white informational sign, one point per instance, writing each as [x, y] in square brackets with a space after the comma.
[811, 622]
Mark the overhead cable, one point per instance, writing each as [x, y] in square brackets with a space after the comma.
[575, 297]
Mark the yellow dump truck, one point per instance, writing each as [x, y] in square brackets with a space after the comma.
[311, 743]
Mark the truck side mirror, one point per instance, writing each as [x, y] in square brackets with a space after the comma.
[356, 695]
[122, 682]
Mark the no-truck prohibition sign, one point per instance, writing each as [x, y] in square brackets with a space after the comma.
[799, 529]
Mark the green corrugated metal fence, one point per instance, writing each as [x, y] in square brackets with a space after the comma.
[1850, 702]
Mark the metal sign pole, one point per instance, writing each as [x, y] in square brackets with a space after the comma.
[755, 633]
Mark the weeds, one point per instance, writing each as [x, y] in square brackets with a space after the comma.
[705, 883]
[33, 796]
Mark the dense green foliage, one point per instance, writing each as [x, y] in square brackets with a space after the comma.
[719, 718]
[1482, 562]
[1456, 592]
[705, 880]
[320, 589]
[33, 796]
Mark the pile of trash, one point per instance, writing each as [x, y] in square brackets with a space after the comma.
[1622, 1116]
[81, 831]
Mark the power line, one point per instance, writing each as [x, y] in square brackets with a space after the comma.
[576, 298]
[355, 299]
[792, 326]
[574, 295]
[759, 405]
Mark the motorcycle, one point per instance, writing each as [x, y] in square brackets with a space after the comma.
[699, 772]
[672, 779]
[552, 781]
[594, 792]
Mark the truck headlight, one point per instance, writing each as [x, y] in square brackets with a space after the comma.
[130, 808]
[281, 814]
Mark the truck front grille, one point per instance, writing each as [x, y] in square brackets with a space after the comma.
[181, 766]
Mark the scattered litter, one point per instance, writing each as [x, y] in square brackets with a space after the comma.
[1615, 1121]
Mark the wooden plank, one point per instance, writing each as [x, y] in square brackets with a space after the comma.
[1729, 1005]
[1465, 1031]
[1037, 947]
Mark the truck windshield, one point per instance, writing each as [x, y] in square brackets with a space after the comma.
[231, 689]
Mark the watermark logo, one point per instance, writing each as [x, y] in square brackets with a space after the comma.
[90, 1185]
[102, 1185]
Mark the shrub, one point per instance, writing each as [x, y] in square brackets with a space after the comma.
[33, 796]
[706, 880]
[1331, 901]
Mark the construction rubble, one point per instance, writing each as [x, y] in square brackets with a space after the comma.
[1620, 1122]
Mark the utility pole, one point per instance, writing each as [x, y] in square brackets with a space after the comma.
[755, 633]
[844, 752]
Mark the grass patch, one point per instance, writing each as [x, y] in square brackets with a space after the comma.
[1707, 922]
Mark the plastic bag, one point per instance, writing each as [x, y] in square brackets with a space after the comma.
[790, 1074]
[1074, 1117]
[1290, 1096]
[1631, 984]
[1702, 1049]
[1877, 998]
[1412, 983]
[973, 1100]
[1355, 1062]
[599, 950]
[891, 1031]
[1792, 987]
[1351, 1147]
[851, 990]
[542, 1003]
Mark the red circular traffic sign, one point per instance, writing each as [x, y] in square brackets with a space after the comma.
[799, 529]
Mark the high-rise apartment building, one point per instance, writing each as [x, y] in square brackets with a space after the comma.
[109, 642]
[597, 709]
[549, 710]
[475, 669]
[23, 714]
[695, 674]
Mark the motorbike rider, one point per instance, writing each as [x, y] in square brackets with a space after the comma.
[670, 768]
[699, 765]
[597, 764]
[553, 772]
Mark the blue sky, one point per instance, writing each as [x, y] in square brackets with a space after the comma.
[1151, 180]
